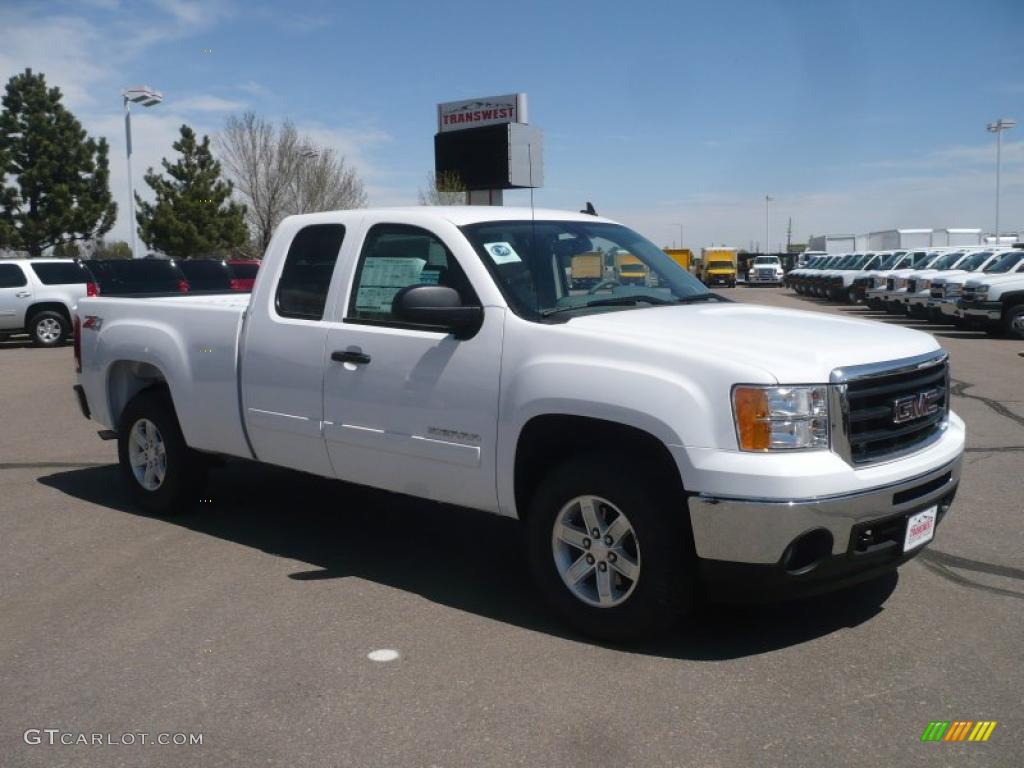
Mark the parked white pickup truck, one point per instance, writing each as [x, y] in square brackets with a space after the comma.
[654, 447]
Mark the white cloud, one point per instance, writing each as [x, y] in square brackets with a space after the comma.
[61, 47]
[254, 89]
[207, 103]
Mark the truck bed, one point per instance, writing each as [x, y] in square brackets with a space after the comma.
[189, 340]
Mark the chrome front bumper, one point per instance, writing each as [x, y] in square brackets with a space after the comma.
[759, 530]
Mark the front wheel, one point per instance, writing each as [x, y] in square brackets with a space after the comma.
[610, 552]
[1013, 321]
[163, 473]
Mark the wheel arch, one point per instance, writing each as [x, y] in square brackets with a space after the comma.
[546, 437]
[47, 306]
[1012, 299]
[126, 379]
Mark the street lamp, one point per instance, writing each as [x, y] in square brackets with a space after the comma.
[147, 97]
[1000, 125]
[767, 241]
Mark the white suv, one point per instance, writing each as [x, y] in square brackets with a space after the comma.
[38, 297]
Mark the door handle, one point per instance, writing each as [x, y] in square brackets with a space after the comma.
[349, 356]
[23, 294]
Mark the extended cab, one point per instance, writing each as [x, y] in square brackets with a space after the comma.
[654, 448]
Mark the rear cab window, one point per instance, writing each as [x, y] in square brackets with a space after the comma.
[306, 276]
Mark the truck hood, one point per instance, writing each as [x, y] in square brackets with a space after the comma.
[792, 346]
[995, 279]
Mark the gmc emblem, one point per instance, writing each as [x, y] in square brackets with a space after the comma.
[915, 406]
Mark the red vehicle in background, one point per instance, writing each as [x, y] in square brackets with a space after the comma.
[243, 273]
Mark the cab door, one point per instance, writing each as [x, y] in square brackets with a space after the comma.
[408, 409]
[15, 296]
[283, 348]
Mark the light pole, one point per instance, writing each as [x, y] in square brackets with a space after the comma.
[1000, 125]
[767, 240]
[680, 235]
[147, 97]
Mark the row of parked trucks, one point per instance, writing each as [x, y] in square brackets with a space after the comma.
[715, 266]
[971, 286]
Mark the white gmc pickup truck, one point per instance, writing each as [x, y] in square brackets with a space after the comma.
[659, 443]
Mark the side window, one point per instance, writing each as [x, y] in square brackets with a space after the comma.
[11, 276]
[395, 256]
[60, 273]
[306, 277]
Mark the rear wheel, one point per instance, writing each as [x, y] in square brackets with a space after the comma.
[163, 473]
[1013, 321]
[610, 552]
[48, 328]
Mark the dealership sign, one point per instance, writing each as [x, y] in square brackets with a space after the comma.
[475, 113]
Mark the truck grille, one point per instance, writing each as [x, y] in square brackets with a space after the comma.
[968, 293]
[765, 274]
[936, 292]
[890, 284]
[871, 404]
[911, 286]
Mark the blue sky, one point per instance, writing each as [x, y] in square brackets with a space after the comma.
[853, 116]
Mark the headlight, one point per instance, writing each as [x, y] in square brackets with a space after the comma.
[780, 418]
[925, 285]
[981, 290]
[901, 282]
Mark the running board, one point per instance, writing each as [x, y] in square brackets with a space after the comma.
[107, 434]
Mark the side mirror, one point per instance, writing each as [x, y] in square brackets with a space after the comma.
[437, 307]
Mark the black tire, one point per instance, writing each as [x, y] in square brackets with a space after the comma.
[185, 472]
[1013, 321]
[665, 587]
[48, 328]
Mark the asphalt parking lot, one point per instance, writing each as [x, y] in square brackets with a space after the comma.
[251, 619]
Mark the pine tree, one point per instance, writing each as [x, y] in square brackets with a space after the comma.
[193, 215]
[54, 179]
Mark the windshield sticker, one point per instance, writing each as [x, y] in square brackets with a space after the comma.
[502, 253]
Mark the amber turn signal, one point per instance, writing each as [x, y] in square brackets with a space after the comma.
[753, 427]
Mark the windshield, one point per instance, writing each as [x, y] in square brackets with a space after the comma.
[947, 261]
[532, 264]
[766, 260]
[855, 262]
[1005, 263]
[975, 260]
[719, 265]
[888, 260]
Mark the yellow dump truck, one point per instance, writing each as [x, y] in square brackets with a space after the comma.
[629, 270]
[681, 256]
[587, 269]
[718, 266]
